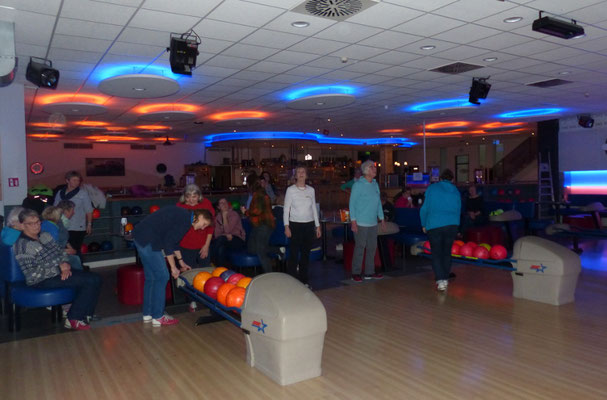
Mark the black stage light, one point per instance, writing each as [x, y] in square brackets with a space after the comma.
[42, 74]
[478, 90]
[585, 121]
[184, 49]
[556, 27]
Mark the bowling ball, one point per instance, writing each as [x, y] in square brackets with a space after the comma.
[94, 246]
[130, 244]
[154, 208]
[223, 291]
[486, 245]
[427, 248]
[235, 297]
[236, 206]
[106, 245]
[235, 278]
[125, 211]
[481, 252]
[459, 242]
[501, 192]
[128, 227]
[466, 250]
[455, 249]
[84, 249]
[200, 279]
[472, 244]
[509, 192]
[517, 192]
[225, 275]
[498, 252]
[212, 286]
[136, 210]
[244, 282]
[218, 271]
[96, 213]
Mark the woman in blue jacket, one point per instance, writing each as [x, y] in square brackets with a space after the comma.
[440, 220]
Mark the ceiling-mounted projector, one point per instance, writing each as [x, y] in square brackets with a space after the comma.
[556, 27]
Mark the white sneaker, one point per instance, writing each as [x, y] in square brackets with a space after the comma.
[193, 306]
[441, 285]
[147, 318]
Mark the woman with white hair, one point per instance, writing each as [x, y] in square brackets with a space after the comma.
[13, 228]
[365, 210]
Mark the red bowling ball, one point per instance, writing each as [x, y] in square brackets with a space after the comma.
[498, 252]
[455, 249]
[427, 249]
[84, 249]
[235, 278]
[481, 253]
[96, 213]
[154, 208]
[212, 286]
[466, 250]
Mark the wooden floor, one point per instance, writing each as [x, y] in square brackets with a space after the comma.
[391, 339]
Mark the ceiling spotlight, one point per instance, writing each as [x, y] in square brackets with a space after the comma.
[184, 49]
[585, 121]
[490, 59]
[42, 74]
[479, 90]
[556, 27]
[300, 24]
[512, 20]
[428, 47]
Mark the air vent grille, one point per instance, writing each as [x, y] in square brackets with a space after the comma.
[143, 147]
[456, 68]
[549, 83]
[77, 145]
[336, 10]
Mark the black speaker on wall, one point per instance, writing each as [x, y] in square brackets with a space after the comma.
[585, 121]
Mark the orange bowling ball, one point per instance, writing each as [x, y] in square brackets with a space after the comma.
[244, 282]
[128, 227]
[200, 279]
[218, 271]
[223, 291]
[235, 297]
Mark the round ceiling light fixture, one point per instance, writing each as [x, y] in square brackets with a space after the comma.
[512, 20]
[428, 47]
[300, 24]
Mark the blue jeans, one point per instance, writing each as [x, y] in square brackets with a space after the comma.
[86, 286]
[156, 276]
[441, 239]
[75, 262]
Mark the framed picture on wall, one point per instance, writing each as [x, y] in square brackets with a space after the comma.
[105, 167]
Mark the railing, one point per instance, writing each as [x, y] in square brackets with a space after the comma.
[515, 161]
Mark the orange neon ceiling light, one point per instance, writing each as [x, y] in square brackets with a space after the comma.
[237, 115]
[164, 138]
[46, 124]
[153, 127]
[71, 97]
[43, 135]
[116, 128]
[493, 125]
[391, 131]
[454, 133]
[91, 123]
[158, 107]
[447, 124]
[107, 138]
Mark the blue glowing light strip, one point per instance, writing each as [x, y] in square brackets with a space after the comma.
[319, 90]
[578, 179]
[440, 104]
[269, 135]
[532, 112]
[134, 69]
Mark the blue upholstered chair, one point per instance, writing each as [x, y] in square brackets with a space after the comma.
[18, 294]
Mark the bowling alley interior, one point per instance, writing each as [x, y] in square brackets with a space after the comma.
[488, 114]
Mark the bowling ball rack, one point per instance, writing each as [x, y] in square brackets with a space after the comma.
[496, 264]
[219, 312]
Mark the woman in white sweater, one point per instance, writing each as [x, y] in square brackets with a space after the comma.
[301, 224]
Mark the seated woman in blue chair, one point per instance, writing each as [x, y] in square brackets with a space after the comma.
[45, 265]
[229, 233]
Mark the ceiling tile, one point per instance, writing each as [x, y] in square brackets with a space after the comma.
[145, 36]
[426, 5]
[318, 46]
[283, 23]
[209, 28]
[81, 43]
[271, 67]
[394, 58]
[187, 7]
[384, 15]
[365, 66]
[32, 28]
[530, 48]
[292, 57]
[460, 53]
[428, 25]
[347, 32]
[390, 40]
[358, 52]
[233, 62]
[141, 50]
[148, 19]
[249, 51]
[95, 30]
[472, 10]
[241, 12]
[276, 40]
[91, 10]
[75, 55]
[501, 41]
[466, 34]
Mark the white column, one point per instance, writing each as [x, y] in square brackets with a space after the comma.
[13, 156]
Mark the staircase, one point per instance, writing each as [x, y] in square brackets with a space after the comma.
[515, 161]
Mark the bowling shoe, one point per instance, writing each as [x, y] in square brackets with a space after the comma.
[76, 325]
[376, 275]
[147, 318]
[166, 319]
[441, 285]
[357, 278]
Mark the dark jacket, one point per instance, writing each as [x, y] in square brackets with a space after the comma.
[163, 229]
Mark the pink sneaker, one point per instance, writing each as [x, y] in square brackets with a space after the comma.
[76, 325]
[166, 319]
[193, 306]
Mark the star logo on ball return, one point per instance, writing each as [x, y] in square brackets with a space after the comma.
[261, 326]
[539, 268]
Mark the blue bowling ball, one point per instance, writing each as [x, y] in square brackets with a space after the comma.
[226, 274]
[125, 211]
[136, 210]
[106, 245]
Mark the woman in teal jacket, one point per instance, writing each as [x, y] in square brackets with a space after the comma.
[440, 220]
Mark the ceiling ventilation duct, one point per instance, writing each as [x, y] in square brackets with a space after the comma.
[8, 60]
[336, 10]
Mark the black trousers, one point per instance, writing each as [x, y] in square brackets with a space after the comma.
[441, 239]
[75, 239]
[302, 238]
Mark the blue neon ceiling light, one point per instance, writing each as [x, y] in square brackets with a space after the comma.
[439, 104]
[128, 69]
[268, 135]
[319, 90]
[532, 112]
